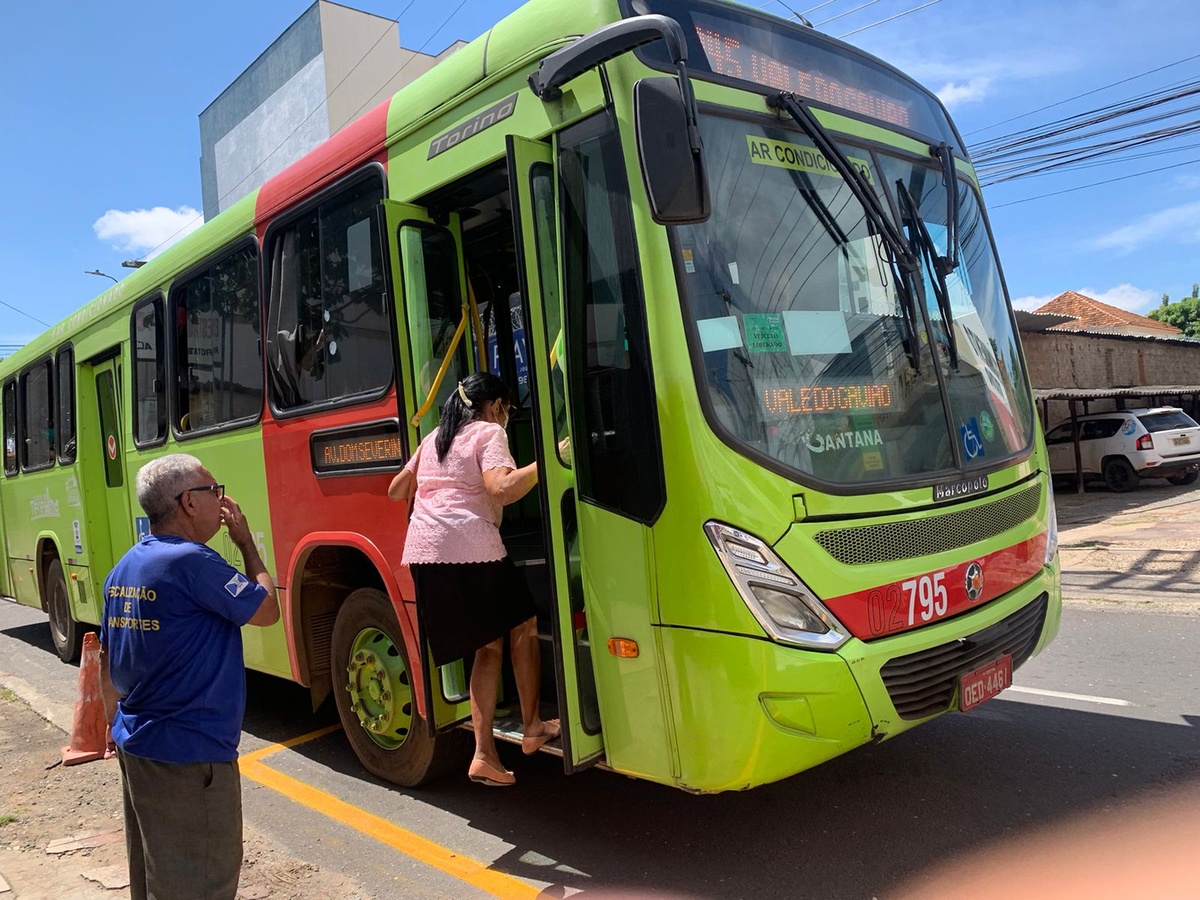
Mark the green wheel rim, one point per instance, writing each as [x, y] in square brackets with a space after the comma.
[380, 688]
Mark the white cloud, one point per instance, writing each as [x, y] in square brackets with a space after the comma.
[1125, 296]
[146, 231]
[1029, 304]
[972, 91]
[1179, 222]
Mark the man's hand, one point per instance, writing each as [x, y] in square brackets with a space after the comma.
[235, 523]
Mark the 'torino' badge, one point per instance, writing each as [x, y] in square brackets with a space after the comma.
[237, 584]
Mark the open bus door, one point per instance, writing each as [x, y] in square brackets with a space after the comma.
[531, 189]
[427, 266]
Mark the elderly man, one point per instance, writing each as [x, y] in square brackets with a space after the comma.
[175, 682]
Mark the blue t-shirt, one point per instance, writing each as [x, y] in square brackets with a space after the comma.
[173, 610]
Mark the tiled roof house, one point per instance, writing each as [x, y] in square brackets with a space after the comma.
[1092, 315]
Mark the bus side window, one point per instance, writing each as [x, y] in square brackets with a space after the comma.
[149, 373]
[328, 329]
[37, 413]
[218, 361]
[10, 427]
[64, 374]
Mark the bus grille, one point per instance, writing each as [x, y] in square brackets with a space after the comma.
[922, 684]
[924, 535]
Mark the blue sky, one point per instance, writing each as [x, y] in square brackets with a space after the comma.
[100, 161]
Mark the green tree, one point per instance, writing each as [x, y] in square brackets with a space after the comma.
[1184, 315]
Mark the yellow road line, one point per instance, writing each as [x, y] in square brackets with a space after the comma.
[473, 872]
[285, 745]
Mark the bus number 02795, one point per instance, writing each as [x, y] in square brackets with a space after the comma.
[898, 606]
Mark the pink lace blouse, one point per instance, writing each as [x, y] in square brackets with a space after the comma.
[454, 520]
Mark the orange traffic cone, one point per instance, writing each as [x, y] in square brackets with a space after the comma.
[89, 735]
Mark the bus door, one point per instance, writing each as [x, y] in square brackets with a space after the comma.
[426, 261]
[531, 189]
[102, 465]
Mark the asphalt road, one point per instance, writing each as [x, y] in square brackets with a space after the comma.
[855, 828]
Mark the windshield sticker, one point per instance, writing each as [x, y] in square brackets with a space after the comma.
[767, 152]
[764, 333]
[791, 401]
[819, 442]
[812, 332]
[972, 442]
[689, 262]
[872, 461]
[721, 333]
[987, 427]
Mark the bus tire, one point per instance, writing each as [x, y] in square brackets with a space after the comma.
[65, 632]
[375, 693]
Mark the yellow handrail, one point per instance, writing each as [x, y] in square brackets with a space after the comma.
[415, 421]
[480, 347]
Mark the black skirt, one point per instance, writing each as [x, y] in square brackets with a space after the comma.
[463, 606]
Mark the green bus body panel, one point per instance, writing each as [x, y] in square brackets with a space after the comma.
[616, 557]
[748, 712]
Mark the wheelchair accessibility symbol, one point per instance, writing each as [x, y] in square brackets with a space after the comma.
[972, 442]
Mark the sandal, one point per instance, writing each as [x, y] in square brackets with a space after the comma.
[483, 772]
[531, 745]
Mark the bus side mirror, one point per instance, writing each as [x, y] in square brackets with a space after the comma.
[674, 174]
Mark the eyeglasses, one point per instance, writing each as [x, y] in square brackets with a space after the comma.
[218, 488]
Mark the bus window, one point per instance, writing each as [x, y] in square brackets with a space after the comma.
[64, 373]
[541, 178]
[617, 452]
[37, 413]
[218, 363]
[106, 396]
[10, 428]
[149, 374]
[328, 334]
[433, 274]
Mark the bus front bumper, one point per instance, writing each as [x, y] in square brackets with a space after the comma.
[748, 711]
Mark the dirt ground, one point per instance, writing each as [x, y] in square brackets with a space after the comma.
[42, 804]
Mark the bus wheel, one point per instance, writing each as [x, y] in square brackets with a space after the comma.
[376, 697]
[64, 630]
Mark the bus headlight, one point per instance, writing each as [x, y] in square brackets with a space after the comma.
[1052, 515]
[783, 605]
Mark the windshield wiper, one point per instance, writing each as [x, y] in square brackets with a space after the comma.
[901, 259]
[924, 247]
[945, 155]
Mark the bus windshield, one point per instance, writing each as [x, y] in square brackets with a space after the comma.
[807, 357]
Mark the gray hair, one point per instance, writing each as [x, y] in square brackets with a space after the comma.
[161, 481]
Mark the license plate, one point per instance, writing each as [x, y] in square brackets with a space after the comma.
[1182, 441]
[985, 682]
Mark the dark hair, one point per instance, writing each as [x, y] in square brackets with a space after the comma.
[480, 388]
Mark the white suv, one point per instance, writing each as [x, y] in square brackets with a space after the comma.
[1123, 445]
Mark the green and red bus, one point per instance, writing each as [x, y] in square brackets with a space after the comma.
[745, 267]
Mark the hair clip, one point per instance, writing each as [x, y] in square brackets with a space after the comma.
[463, 396]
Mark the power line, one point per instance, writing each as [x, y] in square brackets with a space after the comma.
[900, 15]
[1084, 94]
[27, 315]
[847, 12]
[1081, 187]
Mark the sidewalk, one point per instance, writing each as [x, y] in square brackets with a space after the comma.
[1142, 547]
